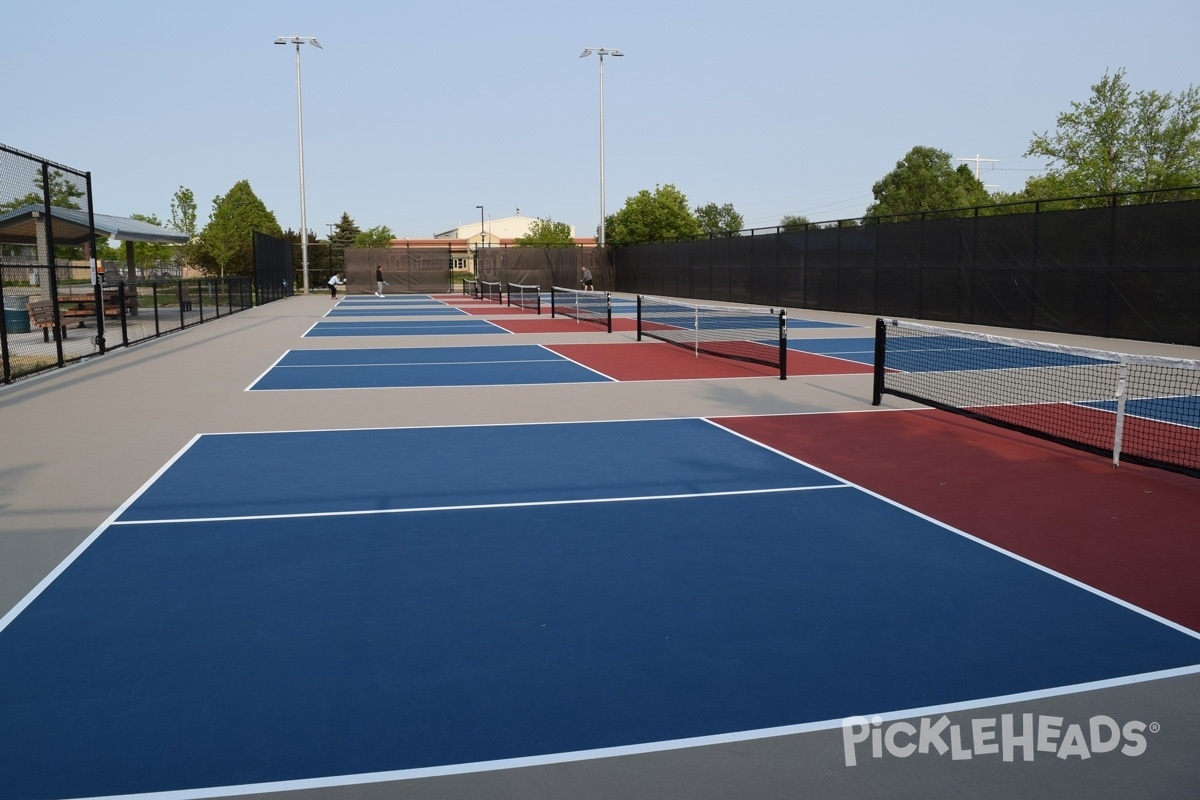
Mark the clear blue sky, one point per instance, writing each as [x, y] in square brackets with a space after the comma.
[415, 113]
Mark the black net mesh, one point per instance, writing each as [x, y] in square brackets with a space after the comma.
[744, 333]
[1137, 408]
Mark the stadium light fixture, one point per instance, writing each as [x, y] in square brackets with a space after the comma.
[299, 40]
[602, 52]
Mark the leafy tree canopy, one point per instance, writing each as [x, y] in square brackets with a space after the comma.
[343, 236]
[227, 241]
[547, 233]
[183, 212]
[1120, 141]
[661, 215]
[63, 193]
[379, 236]
[148, 254]
[345, 232]
[719, 220]
[790, 221]
[925, 180]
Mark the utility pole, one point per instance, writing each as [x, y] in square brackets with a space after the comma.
[979, 161]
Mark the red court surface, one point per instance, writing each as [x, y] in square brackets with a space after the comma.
[484, 309]
[1130, 532]
[547, 324]
[658, 361]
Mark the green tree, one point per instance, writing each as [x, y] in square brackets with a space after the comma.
[1120, 141]
[794, 221]
[183, 219]
[183, 212]
[63, 193]
[343, 236]
[149, 254]
[379, 236]
[661, 215]
[227, 241]
[925, 180]
[719, 220]
[547, 233]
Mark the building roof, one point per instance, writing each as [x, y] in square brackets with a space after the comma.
[70, 227]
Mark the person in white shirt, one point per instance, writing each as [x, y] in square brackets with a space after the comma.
[334, 282]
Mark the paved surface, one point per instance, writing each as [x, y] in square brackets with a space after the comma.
[77, 443]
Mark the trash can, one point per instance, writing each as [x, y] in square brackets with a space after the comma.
[16, 313]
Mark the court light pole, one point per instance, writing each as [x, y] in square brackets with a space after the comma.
[299, 40]
[480, 241]
[602, 52]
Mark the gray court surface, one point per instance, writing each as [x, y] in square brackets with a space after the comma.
[77, 444]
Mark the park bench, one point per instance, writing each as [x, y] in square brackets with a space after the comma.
[41, 314]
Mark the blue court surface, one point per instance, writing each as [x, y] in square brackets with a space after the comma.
[808, 324]
[367, 299]
[399, 367]
[432, 327]
[290, 610]
[1177, 410]
[385, 309]
[944, 353]
[859, 349]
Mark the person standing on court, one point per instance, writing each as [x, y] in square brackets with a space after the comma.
[587, 279]
[334, 282]
[379, 281]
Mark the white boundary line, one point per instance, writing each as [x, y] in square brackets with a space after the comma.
[570, 360]
[480, 506]
[33, 593]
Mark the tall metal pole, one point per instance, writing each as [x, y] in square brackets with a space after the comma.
[299, 40]
[300, 134]
[601, 240]
[479, 246]
[602, 52]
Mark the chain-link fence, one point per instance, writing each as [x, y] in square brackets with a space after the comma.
[60, 304]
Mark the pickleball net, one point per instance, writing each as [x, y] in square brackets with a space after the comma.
[525, 296]
[1137, 408]
[582, 305]
[744, 333]
[470, 286]
[491, 290]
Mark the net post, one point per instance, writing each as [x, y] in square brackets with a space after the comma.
[553, 304]
[608, 309]
[880, 354]
[1119, 428]
[783, 348]
[639, 318]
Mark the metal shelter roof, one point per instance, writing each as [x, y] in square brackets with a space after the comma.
[70, 227]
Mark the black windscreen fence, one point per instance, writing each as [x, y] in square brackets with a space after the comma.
[272, 268]
[1121, 271]
[406, 270]
[544, 267]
